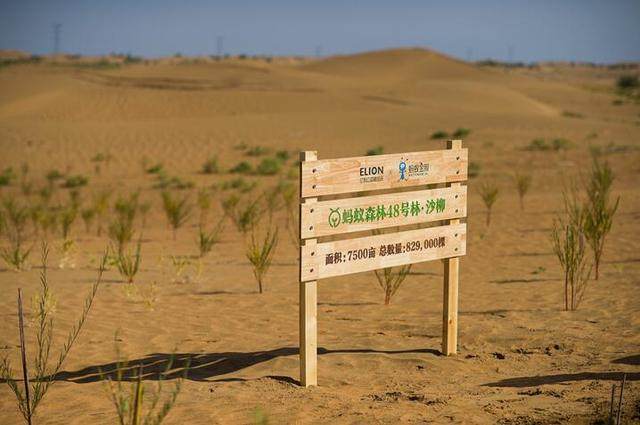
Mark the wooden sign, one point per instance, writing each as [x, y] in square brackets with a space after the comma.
[348, 256]
[446, 240]
[377, 212]
[335, 176]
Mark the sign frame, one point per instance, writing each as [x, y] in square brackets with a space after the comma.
[447, 242]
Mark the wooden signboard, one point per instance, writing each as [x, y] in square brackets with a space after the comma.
[364, 212]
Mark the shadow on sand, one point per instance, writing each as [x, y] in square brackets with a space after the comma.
[534, 381]
[204, 367]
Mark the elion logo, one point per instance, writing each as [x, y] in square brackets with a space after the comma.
[371, 174]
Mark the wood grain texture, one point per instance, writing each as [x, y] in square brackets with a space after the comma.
[450, 288]
[308, 306]
[314, 260]
[365, 173]
[315, 218]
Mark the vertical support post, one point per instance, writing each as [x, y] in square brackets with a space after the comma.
[450, 299]
[308, 304]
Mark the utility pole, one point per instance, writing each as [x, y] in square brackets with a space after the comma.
[219, 46]
[57, 28]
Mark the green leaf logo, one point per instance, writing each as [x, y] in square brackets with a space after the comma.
[334, 217]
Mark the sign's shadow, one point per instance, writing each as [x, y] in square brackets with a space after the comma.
[202, 367]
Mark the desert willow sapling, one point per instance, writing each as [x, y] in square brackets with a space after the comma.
[390, 279]
[145, 207]
[128, 263]
[177, 210]
[121, 229]
[130, 402]
[273, 199]
[523, 184]
[101, 206]
[204, 204]
[290, 198]
[489, 194]
[45, 373]
[14, 226]
[206, 240]
[88, 214]
[599, 209]
[568, 243]
[68, 215]
[260, 253]
[121, 233]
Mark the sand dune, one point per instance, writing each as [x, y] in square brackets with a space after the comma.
[521, 359]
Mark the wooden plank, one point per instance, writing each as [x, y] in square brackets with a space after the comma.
[308, 333]
[321, 260]
[375, 212]
[308, 307]
[450, 289]
[358, 174]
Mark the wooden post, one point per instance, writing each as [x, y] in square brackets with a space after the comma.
[450, 302]
[308, 304]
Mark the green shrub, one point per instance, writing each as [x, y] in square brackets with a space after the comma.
[599, 209]
[390, 279]
[206, 240]
[570, 114]
[14, 224]
[242, 167]
[283, 155]
[538, 145]
[474, 169]
[489, 193]
[67, 217]
[523, 183]
[560, 144]
[6, 177]
[177, 210]
[75, 181]
[626, 82]
[568, 239]
[45, 373]
[54, 175]
[155, 169]
[439, 135]
[378, 150]
[88, 214]
[461, 133]
[268, 167]
[240, 184]
[165, 181]
[260, 254]
[257, 151]
[129, 264]
[211, 166]
[136, 403]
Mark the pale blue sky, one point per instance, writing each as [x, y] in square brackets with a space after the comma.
[588, 30]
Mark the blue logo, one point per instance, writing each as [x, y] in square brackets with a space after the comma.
[402, 168]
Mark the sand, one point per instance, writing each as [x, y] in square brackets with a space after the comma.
[522, 359]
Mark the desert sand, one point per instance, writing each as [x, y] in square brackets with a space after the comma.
[521, 359]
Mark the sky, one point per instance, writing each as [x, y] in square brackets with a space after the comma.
[587, 30]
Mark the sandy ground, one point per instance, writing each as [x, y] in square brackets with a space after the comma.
[521, 358]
